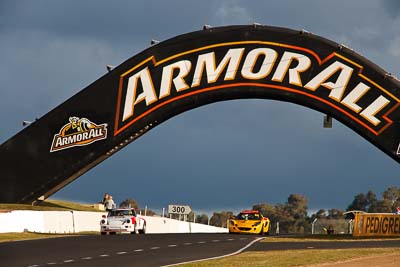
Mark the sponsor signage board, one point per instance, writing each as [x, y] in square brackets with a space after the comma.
[375, 224]
[186, 72]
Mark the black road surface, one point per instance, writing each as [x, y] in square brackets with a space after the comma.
[119, 250]
[148, 250]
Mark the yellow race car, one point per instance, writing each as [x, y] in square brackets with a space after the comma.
[251, 222]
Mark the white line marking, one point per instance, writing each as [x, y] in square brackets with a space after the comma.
[310, 247]
[104, 255]
[51, 263]
[231, 239]
[215, 240]
[121, 253]
[138, 250]
[218, 257]
[187, 244]
[35, 265]
[243, 238]
[66, 261]
[201, 242]
[172, 246]
[155, 248]
[86, 258]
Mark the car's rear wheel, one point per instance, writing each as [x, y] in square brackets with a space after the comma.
[262, 230]
[143, 231]
[103, 233]
[112, 233]
[269, 228]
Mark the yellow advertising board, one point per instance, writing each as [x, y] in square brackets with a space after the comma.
[376, 224]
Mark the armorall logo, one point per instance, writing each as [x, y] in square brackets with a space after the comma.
[335, 81]
[78, 132]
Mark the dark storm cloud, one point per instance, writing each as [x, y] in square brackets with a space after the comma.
[225, 155]
[392, 7]
[362, 25]
[116, 21]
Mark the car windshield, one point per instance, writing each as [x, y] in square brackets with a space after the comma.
[121, 213]
[248, 216]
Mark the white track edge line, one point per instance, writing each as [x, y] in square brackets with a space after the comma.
[217, 257]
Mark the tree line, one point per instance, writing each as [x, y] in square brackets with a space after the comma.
[368, 202]
[293, 214]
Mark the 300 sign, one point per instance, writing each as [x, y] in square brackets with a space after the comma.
[179, 209]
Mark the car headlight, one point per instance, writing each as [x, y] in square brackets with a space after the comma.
[256, 224]
[232, 222]
[128, 221]
[103, 221]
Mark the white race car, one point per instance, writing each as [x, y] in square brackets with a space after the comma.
[122, 221]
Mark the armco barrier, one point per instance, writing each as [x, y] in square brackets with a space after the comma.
[165, 225]
[81, 221]
[18, 221]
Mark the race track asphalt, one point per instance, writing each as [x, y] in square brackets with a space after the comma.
[119, 250]
[148, 250]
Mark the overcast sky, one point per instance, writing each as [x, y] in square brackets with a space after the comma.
[227, 155]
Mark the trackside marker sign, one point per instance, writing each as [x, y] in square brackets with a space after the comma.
[179, 209]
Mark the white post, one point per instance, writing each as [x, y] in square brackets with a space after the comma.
[277, 228]
[312, 226]
[351, 222]
[163, 212]
[145, 210]
[73, 220]
[194, 218]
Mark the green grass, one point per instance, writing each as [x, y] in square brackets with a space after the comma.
[293, 257]
[49, 205]
[324, 238]
[6, 237]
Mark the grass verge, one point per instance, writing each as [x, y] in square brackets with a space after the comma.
[7, 237]
[293, 257]
[325, 238]
[49, 205]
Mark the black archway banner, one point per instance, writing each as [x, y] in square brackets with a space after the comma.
[188, 71]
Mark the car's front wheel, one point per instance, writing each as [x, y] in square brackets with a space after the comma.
[262, 230]
[135, 231]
